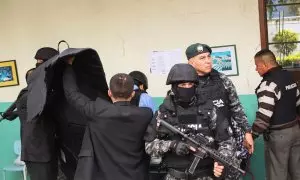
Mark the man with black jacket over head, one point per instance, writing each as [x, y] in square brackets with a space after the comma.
[113, 146]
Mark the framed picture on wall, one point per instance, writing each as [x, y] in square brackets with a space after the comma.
[225, 60]
[8, 73]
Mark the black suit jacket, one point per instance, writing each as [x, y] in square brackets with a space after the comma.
[113, 147]
[38, 137]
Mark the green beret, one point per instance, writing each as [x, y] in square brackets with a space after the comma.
[195, 49]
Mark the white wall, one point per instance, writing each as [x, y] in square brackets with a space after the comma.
[124, 32]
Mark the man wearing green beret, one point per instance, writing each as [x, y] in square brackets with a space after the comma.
[218, 88]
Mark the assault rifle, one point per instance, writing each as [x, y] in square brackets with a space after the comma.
[202, 150]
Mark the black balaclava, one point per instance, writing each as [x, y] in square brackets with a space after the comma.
[184, 96]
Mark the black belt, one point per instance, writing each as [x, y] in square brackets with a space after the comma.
[157, 170]
[285, 126]
[183, 175]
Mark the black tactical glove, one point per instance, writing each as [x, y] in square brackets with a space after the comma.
[180, 148]
[8, 115]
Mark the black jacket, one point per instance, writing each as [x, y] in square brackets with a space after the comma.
[279, 86]
[114, 141]
[38, 137]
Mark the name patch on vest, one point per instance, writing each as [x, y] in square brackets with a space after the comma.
[191, 126]
[291, 86]
[218, 103]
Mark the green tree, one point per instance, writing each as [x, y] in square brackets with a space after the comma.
[293, 9]
[283, 37]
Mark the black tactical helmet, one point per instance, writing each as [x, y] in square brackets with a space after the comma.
[45, 53]
[182, 73]
[140, 77]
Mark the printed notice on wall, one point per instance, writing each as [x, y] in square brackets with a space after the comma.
[162, 61]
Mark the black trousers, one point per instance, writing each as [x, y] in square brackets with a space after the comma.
[41, 170]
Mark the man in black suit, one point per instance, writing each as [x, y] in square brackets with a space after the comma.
[113, 145]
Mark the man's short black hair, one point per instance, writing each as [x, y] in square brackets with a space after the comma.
[265, 52]
[266, 56]
[121, 85]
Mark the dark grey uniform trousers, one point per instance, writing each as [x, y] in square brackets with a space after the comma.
[170, 177]
[282, 154]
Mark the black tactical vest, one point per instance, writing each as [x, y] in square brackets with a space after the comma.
[212, 89]
[137, 96]
[285, 108]
[191, 120]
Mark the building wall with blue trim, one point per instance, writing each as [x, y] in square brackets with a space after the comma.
[125, 33]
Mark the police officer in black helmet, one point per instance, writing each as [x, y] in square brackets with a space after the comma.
[40, 153]
[182, 109]
[38, 149]
[141, 97]
[140, 79]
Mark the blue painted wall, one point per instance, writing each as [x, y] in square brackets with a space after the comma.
[10, 131]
